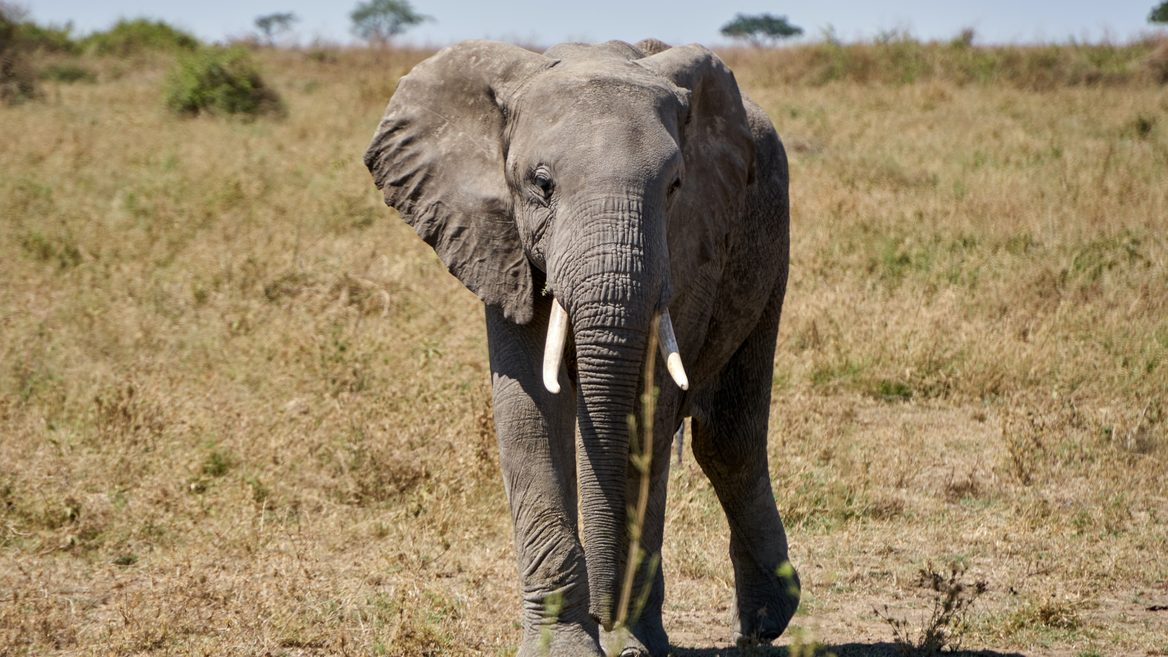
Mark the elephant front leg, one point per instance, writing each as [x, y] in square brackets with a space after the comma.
[535, 430]
[729, 442]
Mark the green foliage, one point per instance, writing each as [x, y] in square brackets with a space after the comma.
[378, 21]
[889, 390]
[217, 464]
[760, 29]
[17, 81]
[68, 73]
[46, 38]
[128, 37]
[19, 38]
[273, 25]
[1159, 13]
[220, 81]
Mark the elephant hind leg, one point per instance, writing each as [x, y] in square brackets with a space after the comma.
[730, 444]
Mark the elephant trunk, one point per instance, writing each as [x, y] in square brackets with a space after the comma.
[609, 383]
[611, 281]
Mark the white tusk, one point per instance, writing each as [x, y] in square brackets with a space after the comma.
[667, 341]
[553, 350]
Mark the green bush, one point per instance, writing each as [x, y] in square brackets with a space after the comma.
[68, 73]
[46, 38]
[220, 81]
[128, 37]
[17, 80]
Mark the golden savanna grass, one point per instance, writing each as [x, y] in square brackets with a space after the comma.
[244, 410]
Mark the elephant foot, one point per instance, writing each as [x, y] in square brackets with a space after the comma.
[766, 602]
[560, 640]
[645, 639]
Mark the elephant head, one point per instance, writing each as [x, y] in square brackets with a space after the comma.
[561, 173]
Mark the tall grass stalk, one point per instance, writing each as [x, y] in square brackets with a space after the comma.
[642, 462]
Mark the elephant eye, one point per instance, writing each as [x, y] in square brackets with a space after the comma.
[675, 186]
[542, 179]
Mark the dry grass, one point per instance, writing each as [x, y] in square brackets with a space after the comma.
[898, 58]
[244, 411]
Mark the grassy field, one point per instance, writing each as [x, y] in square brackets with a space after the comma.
[244, 410]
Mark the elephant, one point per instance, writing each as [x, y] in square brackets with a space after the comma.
[591, 195]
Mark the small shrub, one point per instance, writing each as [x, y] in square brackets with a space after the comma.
[954, 597]
[217, 464]
[220, 82]
[127, 559]
[129, 37]
[890, 390]
[17, 80]
[1141, 127]
[68, 73]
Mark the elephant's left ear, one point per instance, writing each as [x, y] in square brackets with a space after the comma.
[718, 148]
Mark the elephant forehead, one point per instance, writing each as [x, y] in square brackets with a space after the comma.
[609, 84]
[597, 122]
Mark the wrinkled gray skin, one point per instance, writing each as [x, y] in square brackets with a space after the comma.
[623, 180]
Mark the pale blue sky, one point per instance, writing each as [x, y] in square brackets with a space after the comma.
[680, 21]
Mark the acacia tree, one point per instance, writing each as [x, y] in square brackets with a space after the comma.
[761, 29]
[378, 21]
[1159, 13]
[273, 25]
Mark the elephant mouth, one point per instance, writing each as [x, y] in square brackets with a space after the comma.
[557, 338]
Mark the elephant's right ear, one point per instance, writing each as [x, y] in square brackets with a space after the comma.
[437, 156]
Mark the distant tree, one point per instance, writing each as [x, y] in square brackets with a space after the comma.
[378, 21]
[1159, 14]
[273, 25]
[761, 29]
